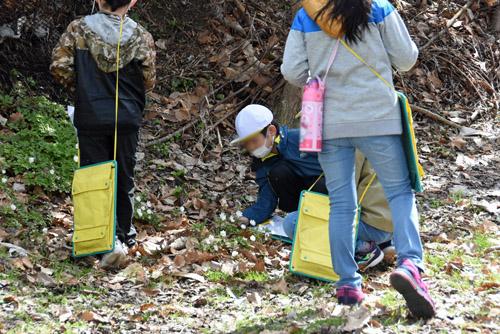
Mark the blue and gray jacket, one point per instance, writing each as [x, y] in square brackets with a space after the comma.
[305, 164]
[357, 103]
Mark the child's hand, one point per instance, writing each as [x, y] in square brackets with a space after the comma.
[244, 221]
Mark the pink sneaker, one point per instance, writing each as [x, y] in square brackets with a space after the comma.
[347, 295]
[407, 281]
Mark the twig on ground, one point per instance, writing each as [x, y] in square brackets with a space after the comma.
[435, 116]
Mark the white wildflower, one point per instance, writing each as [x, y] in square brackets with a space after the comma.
[52, 172]
[182, 209]
[139, 212]
[148, 203]
[149, 211]
[216, 248]
[243, 226]
[252, 238]
[234, 253]
[76, 146]
[253, 223]
[13, 207]
[3, 171]
[222, 216]
[143, 208]
[223, 233]
[231, 219]
[75, 158]
[138, 198]
[31, 160]
[272, 222]
[4, 180]
[239, 214]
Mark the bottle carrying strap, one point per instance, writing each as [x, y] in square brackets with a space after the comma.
[332, 58]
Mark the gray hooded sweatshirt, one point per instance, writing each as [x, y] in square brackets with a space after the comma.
[357, 103]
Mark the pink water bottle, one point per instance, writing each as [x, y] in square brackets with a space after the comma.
[311, 120]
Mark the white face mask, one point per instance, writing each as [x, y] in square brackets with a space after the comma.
[263, 151]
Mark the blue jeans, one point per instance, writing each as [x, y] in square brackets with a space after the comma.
[386, 155]
[365, 232]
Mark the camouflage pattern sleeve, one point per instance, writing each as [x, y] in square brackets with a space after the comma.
[148, 62]
[63, 58]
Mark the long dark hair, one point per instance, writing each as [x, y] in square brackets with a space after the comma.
[354, 15]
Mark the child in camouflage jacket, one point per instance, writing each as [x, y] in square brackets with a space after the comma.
[84, 61]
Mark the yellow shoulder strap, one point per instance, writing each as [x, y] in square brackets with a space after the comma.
[364, 192]
[364, 62]
[420, 169]
[366, 189]
[116, 95]
[319, 178]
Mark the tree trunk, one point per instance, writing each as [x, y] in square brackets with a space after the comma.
[286, 100]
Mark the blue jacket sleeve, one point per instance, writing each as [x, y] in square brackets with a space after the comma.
[266, 200]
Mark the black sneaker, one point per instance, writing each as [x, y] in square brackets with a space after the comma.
[369, 257]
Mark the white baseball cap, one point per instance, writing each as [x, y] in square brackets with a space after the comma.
[251, 120]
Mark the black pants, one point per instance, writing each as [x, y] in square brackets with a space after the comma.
[287, 186]
[95, 149]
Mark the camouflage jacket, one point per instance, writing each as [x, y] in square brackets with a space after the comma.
[92, 33]
[85, 61]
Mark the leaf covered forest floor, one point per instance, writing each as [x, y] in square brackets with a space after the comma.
[194, 270]
[195, 274]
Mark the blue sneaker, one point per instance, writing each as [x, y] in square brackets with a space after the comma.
[388, 249]
[368, 256]
[407, 281]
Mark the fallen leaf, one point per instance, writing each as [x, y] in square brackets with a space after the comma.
[15, 116]
[150, 292]
[260, 266]
[280, 286]
[27, 263]
[182, 115]
[64, 313]
[487, 226]
[85, 316]
[458, 142]
[205, 37]
[147, 307]
[46, 280]
[18, 263]
[254, 298]
[4, 235]
[487, 286]
[356, 319]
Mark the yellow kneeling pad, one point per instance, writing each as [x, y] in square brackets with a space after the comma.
[311, 244]
[94, 201]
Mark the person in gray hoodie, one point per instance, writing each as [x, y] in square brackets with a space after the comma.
[363, 112]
